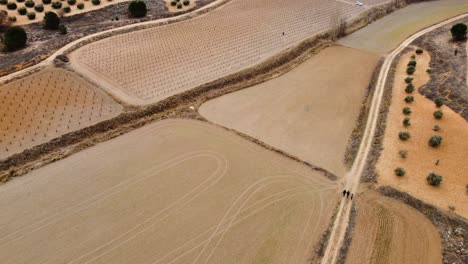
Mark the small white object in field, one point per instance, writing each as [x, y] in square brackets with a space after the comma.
[192, 108]
[359, 3]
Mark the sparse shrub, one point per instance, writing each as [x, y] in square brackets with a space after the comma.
[46, 2]
[80, 6]
[439, 102]
[67, 9]
[20, 1]
[137, 8]
[22, 11]
[31, 15]
[96, 2]
[39, 8]
[12, 18]
[413, 57]
[409, 80]
[412, 63]
[57, 5]
[71, 2]
[438, 114]
[186, 2]
[51, 20]
[409, 99]
[15, 38]
[451, 208]
[63, 29]
[419, 51]
[434, 179]
[403, 154]
[30, 3]
[409, 88]
[459, 31]
[429, 71]
[179, 5]
[400, 171]
[406, 122]
[404, 136]
[11, 6]
[436, 128]
[3, 2]
[407, 111]
[410, 70]
[435, 141]
[173, 3]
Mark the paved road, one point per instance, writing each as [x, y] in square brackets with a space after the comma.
[352, 179]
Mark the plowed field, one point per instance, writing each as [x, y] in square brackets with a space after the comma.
[309, 112]
[172, 192]
[390, 232]
[48, 104]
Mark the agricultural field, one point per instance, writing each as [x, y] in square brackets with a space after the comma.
[181, 191]
[40, 7]
[46, 105]
[388, 231]
[180, 56]
[309, 112]
[386, 33]
[448, 159]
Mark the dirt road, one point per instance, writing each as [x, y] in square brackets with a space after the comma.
[353, 177]
[175, 191]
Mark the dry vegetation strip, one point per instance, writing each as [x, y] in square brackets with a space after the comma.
[142, 205]
[46, 105]
[308, 112]
[447, 160]
[390, 232]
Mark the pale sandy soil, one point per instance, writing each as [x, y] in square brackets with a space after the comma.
[386, 33]
[47, 104]
[308, 112]
[176, 191]
[21, 20]
[452, 153]
[181, 56]
[388, 231]
[174, 9]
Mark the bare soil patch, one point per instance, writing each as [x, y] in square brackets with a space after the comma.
[209, 197]
[448, 160]
[46, 105]
[390, 232]
[386, 33]
[309, 112]
[183, 55]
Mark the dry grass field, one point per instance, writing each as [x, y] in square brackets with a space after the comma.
[175, 191]
[47, 104]
[388, 231]
[308, 112]
[181, 56]
[23, 19]
[386, 33]
[448, 160]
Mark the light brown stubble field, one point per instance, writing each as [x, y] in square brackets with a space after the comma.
[46, 105]
[176, 191]
[452, 153]
[309, 112]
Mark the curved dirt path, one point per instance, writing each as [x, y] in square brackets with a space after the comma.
[353, 177]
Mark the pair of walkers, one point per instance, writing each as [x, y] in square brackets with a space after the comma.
[347, 194]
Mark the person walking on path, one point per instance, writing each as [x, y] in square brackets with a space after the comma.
[352, 195]
[344, 193]
[347, 194]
